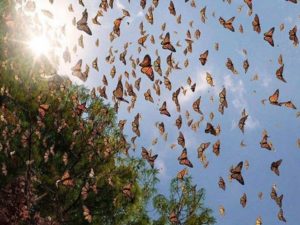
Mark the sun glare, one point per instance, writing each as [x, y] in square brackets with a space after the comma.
[39, 45]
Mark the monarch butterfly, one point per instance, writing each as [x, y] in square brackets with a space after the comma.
[264, 142]
[82, 23]
[183, 159]
[209, 79]
[166, 43]
[135, 125]
[173, 218]
[202, 14]
[243, 200]
[268, 36]
[147, 155]
[178, 122]
[170, 61]
[182, 173]
[149, 15]
[117, 24]
[230, 66]
[152, 40]
[76, 71]
[148, 96]
[202, 148]
[196, 106]
[281, 216]
[122, 57]
[193, 87]
[256, 24]
[197, 34]
[242, 120]
[163, 109]
[236, 173]
[129, 89]
[241, 29]
[142, 40]
[246, 65]
[67, 180]
[172, 8]
[121, 124]
[222, 184]
[147, 67]
[275, 167]
[85, 190]
[86, 213]
[95, 20]
[102, 92]
[118, 92]
[293, 36]
[42, 110]
[181, 140]
[227, 24]
[161, 128]
[273, 99]
[216, 147]
[210, 129]
[157, 67]
[95, 64]
[223, 101]
[167, 83]
[203, 57]
[113, 72]
[137, 83]
[279, 73]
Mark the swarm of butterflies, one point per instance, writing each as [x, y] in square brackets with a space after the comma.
[148, 67]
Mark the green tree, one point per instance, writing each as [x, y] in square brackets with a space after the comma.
[184, 206]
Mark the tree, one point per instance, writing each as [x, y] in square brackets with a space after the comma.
[63, 158]
[184, 206]
[62, 153]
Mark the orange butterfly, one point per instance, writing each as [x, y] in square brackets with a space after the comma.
[216, 147]
[136, 124]
[163, 109]
[203, 57]
[256, 24]
[172, 8]
[166, 43]
[236, 173]
[227, 24]
[182, 173]
[196, 106]
[279, 73]
[222, 184]
[147, 155]
[82, 23]
[181, 140]
[268, 36]
[293, 36]
[273, 99]
[142, 40]
[147, 67]
[183, 159]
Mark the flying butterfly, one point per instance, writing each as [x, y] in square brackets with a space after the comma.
[166, 43]
[142, 40]
[147, 67]
[268, 36]
[136, 124]
[210, 129]
[275, 167]
[293, 36]
[273, 99]
[183, 159]
[281, 216]
[256, 24]
[279, 73]
[196, 106]
[242, 120]
[203, 57]
[181, 139]
[209, 79]
[82, 23]
[172, 8]
[227, 24]
[230, 66]
[181, 174]
[148, 96]
[216, 147]
[264, 143]
[236, 173]
[243, 200]
[178, 122]
[148, 156]
[118, 92]
[156, 65]
[222, 184]
[163, 109]
[222, 101]
[246, 65]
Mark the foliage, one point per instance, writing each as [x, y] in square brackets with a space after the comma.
[184, 206]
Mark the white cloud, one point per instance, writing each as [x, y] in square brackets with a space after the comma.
[119, 5]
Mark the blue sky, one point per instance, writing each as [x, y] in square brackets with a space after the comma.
[281, 123]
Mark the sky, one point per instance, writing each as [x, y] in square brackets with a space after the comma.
[281, 123]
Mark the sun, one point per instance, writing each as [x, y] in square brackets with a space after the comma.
[39, 45]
